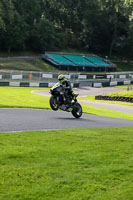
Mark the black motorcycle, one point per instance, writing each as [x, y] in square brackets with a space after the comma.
[60, 99]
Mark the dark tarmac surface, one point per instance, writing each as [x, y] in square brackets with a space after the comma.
[22, 119]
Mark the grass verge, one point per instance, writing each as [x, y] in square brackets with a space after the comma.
[92, 98]
[67, 164]
[128, 86]
[22, 97]
[105, 112]
[26, 65]
[124, 93]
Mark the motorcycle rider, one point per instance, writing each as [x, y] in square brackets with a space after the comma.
[67, 86]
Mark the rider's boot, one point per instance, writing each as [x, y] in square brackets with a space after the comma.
[74, 96]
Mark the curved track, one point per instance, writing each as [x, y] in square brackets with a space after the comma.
[22, 119]
[95, 91]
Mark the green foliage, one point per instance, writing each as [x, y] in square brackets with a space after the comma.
[99, 26]
[1, 18]
[44, 36]
[14, 33]
[124, 66]
[74, 164]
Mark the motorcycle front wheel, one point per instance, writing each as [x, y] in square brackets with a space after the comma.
[53, 103]
[77, 110]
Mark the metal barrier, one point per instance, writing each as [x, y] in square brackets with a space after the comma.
[83, 79]
[31, 76]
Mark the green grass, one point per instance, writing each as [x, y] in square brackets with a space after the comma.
[105, 112]
[41, 65]
[26, 65]
[92, 98]
[124, 93]
[73, 164]
[23, 98]
[128, 86]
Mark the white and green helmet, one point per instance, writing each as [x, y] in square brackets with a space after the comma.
[61, 78]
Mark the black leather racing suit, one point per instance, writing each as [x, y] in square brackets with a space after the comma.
[68, 89]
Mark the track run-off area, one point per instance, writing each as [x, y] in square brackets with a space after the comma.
[27, 119]
[89, 91]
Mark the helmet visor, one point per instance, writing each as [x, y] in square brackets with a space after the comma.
[60, 79]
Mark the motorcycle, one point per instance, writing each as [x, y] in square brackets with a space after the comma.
[60, 99]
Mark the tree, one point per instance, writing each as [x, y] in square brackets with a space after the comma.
[117, 13]
[2, 25]
[1, 17]
[99, 26]
[14, 32]
[43, 37]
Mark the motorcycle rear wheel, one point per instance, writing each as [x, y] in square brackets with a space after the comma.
[53, 103]
[77, 110]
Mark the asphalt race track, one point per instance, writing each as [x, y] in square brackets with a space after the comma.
[22, 119]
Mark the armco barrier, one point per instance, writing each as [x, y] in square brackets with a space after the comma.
[40, 76]
[106, 84]
[114, 98]
[4, 83]
[24, 84]
[113, 83]
[32, 84]
[120, 83]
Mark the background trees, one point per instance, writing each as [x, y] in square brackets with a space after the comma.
[99, 26]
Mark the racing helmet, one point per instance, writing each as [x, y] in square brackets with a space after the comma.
[61, 78]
